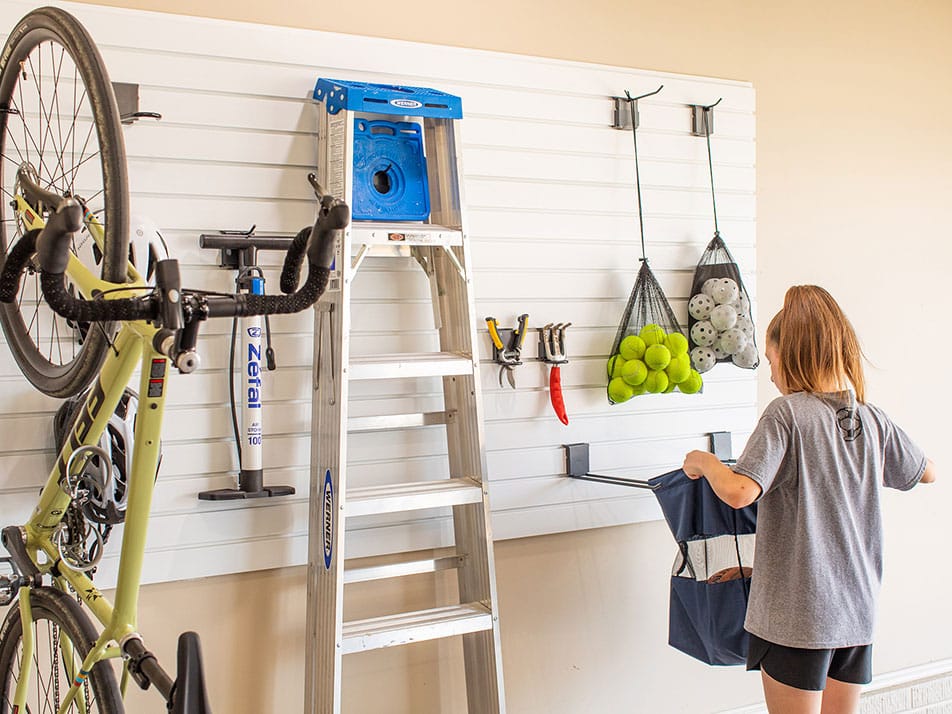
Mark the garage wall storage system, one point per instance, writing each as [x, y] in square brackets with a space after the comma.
[553, 229]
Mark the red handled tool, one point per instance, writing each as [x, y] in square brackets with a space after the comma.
[552, 351]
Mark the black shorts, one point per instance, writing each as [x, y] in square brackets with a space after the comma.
[808, 669]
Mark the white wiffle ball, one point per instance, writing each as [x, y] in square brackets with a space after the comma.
[747, 358]
[703, 358]
[723, 317]
[708, 287]
[725, 290]
[745, 325]
[703, 333]
[718, 351]
[732, 341]
[700, 306]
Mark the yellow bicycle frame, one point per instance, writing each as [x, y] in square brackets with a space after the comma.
[133, 346]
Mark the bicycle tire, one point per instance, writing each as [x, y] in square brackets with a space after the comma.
[52, 76]
[55, 616]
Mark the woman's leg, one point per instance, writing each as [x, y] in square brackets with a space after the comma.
[840, 697]
[784, 699]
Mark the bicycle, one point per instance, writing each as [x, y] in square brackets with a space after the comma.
[63, 226]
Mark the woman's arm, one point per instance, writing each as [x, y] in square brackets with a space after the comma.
[928, 476]
[734, 489]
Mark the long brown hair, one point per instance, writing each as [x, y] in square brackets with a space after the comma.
[816, 343]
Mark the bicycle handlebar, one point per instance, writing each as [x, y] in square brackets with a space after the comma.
[52, 251]
[176, 311]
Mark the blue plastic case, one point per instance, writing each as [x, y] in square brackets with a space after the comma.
[390, 182]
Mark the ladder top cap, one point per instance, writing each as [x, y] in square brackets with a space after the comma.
[338, 94]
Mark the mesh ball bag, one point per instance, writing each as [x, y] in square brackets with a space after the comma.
[650, 352]
[720, 322]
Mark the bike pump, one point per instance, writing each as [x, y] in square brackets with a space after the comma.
[239, 252]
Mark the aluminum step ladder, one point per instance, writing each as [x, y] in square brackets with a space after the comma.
[438, 243]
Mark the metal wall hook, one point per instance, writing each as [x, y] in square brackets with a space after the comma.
[626, 109]
[577, 465]
[702, 118]
[127, 99]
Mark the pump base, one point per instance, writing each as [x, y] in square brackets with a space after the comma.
[236, 494]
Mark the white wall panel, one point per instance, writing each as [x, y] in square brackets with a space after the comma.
[552, 216]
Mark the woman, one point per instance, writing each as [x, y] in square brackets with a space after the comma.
[815, 461]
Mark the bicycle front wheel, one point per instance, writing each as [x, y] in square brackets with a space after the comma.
[63, 636]
[59, 123]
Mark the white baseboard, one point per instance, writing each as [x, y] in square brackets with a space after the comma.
[887, 680]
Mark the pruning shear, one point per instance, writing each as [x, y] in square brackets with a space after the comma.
[552, 351]
[508, 355]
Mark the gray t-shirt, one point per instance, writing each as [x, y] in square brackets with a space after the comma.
[820, 460]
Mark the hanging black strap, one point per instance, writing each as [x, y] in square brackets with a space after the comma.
[633, 112]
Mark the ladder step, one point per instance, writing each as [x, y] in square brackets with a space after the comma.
[410, 364]
[404, 628]
[375, 233]
[371, 500]
[397, 421]
[396, 565]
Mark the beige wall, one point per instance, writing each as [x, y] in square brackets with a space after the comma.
[853, 162]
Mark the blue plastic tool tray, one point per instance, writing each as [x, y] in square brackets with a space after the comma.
[387, 99]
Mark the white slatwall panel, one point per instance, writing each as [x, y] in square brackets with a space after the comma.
[550, 196]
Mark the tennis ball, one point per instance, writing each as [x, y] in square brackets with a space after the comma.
[652, 334]
[656, 381]
[619, 391]
[676, 343]
[679, 369]
[632, 347]
[657, 356]
[615, 363]
[692, 384]
[639, 389]
[670, 388]
[634, 372]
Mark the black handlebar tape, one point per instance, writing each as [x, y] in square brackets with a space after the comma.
[292, 261]
[323, 243]
[72, 308]
[16, 261]
[52, 246]
[313, 288]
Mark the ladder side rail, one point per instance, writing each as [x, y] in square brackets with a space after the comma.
[465, 435]
[329, 399]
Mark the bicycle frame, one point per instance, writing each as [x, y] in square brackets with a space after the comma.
[132, 347]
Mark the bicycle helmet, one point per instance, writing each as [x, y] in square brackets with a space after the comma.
[117, 442]
[146, 246]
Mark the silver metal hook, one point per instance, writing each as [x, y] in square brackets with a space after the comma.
[642, 96]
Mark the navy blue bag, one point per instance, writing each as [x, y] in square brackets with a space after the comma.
[710, 581]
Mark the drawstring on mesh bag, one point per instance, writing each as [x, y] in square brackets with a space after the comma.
[720, 321]
[650, 352]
